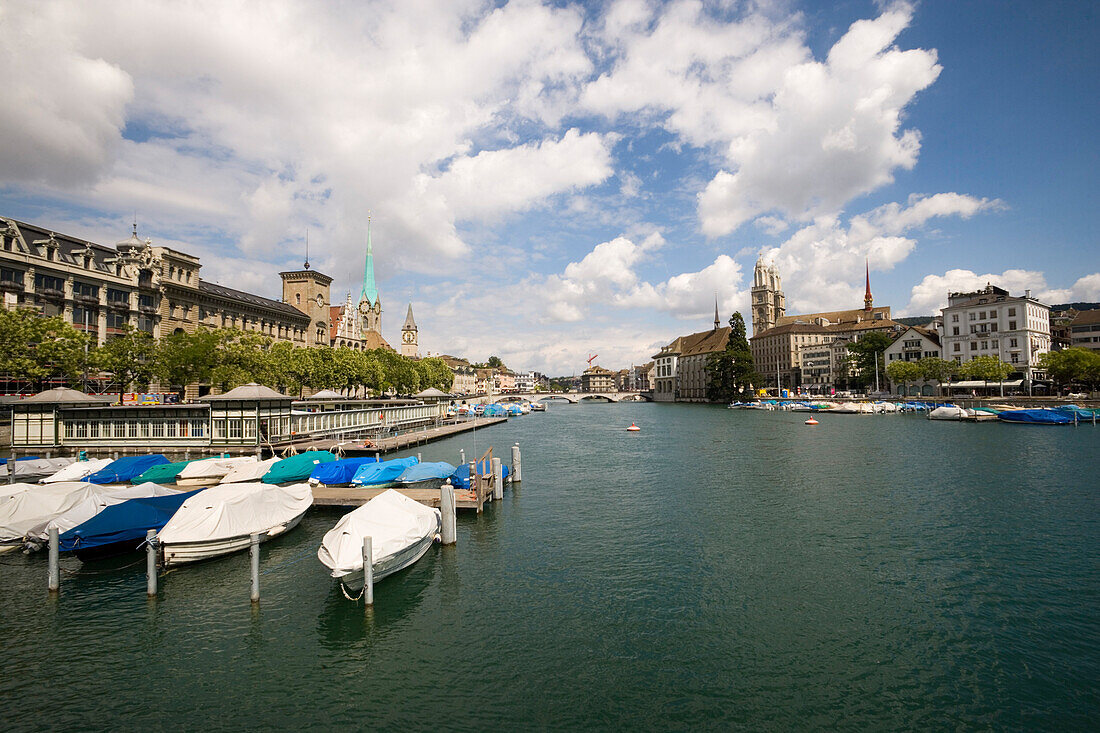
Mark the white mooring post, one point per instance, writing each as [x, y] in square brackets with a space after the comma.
[418, 459]
[151, 563]
[54, 582]
[498, 479]
[448, 532]
[368, 572]
[517, 466]
[461, 456]
[254, 557]
[11, 468]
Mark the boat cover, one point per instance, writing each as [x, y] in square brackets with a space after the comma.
[125, 468]
[4, 461]
[90, 501]
[1071, 410]
[1036, 417]
[35, 468]
[247, 472]
[37, 504]
[297, 468]
[338, 472]
[392, 521]
[426, 471]
[460, 479]
[373, 474]
[214, 468]
[77, 471]
[163, 473]
[7, 491]
[127, 521]
[947, 412]
[235, 510]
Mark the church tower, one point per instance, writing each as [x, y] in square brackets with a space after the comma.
[768, 302]
[370, 304]
[868, 301]
[409, 335]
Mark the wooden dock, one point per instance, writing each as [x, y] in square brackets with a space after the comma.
[368, 447]
[353, 496]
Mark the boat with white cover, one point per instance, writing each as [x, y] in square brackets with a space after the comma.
[401, 531]
[33, 469]
[77, 471]
[947, 412]
[34, 504]
[211, 471]
[219, 520]
[249, 472]
[85, 504]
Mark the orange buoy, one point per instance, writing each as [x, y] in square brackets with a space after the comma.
[633, 428]
[811, 421]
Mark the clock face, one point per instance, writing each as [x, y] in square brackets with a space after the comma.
[408, 337]
[320, 299]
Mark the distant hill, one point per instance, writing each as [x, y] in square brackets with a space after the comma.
[915, 320]
[1076, 306]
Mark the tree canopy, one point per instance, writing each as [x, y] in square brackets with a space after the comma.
[35, 349]
[1072, 366]
[867, 352]
[731, 372]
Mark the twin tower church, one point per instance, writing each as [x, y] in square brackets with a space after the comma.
[354, 325]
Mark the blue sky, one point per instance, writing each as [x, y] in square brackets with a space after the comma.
[549, 180]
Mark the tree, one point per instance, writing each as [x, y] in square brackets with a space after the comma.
[988, 369]
[186, 358]
[867, 354]
[902, 372]
[495, 363]
[934, 369]
[1072, 366]
[434, 372]
[242, 358]
[731, 372]
[129, 358]
[34, 348]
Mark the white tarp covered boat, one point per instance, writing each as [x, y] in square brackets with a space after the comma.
[248, 472]
[210, 471]
[32, 469]
[401, 531]
[947, 412]
[219, 520]
[77, 471]
[84, 504]
[26, 509]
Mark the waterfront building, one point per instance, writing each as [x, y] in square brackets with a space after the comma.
[665, 363]
[991, 322]
[504, 380]
[768, 302]
[597, 379]
[485, 381]
[356, 325]
[1084, 330]
[914, 344]
[465, 376]
[679, 371]
[410, 336]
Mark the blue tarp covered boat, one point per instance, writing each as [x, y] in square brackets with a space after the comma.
[1036, 417]
[382, 474]
[426, 475]
[122, 527]
[1081, 412]
[460, 479]
[338, 472]
[124, 469]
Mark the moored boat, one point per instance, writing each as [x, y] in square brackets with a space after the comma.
[76, 471]
[211, 471]
[339, 473]
[297, 468]
[87, 503]
[1036, 417]
[427, 475]
[401, 532]
[33, 469]
[947, 412]
[123, 527]
[124, 469]
[29, 505]
[249, 472]
[383, 474]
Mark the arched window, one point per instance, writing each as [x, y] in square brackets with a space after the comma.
[297, 298]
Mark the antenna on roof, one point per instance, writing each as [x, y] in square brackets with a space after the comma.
[307, 250]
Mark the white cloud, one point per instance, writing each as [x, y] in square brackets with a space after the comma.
[930, 294]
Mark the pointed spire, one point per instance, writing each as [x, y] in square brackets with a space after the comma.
[868, 302]
[410, 322]
[717, 320]
[370, 291]
[306, 266]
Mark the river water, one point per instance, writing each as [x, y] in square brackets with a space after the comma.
[720, 569]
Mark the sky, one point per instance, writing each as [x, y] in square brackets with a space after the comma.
[550, 180]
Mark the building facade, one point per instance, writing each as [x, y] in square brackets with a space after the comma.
[410, 336]
[1084, 330]
[991, 322]
[597, 379]
[768, 302]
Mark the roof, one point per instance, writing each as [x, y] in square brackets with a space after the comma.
[67, 247]
[326, 394]
[431, 392]
[250, 391]
[1085, 318]
[374, 340]
[370, 290]
[846, 316]
[703, 342]
[410, 322]
[239, 296]
[65, 395]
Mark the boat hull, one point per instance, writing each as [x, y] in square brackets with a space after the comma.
[180, 553]
[385, 567]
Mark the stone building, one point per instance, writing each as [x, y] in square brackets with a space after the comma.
[991, 322]
[679, 370]
[1084, 330]
[597, 379]
[768, 302]
[410, 336]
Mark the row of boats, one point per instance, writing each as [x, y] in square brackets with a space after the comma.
[844, 408]
[496, 409]
[103, 508]
[1060, 415]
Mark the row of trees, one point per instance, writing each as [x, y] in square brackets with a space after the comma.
[36, 349]
[932, 369]
[1073, 367]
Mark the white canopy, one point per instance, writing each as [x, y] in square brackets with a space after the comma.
[77, 471]
[975, 383]
[36, 505]
[235, 510]
[214, 467]
[85, 504]
[35, 467]
[249, 471]
[392, 520]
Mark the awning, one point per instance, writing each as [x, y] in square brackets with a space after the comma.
[975, 383]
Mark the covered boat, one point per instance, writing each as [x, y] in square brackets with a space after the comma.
[87, 503]
[211, 471]
[219, 520]
[460, 479]
[32, 506]
[947, 412]
[382, 474]
[401, 531]
[77, 471]
[339, 472]
[125, 468]
[1036, 417]
[297, 468]
[163, 473]
[122, 527]
[249, 472]
[427, 475]
[34, 469]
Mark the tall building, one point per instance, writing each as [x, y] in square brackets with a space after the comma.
[409, 335]
[768, 302]
[990, 322]
[359, 325]
[308, 291]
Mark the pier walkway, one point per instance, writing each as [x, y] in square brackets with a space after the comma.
[361, 447]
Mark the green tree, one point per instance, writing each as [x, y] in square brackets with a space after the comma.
[494, 363]
[903, 372]
[187, 358]
[34, 348]
[731, 372]
[434, 372]
[934, 369]
[243, 357]
[1072, 366]
[129, 358]
[988, 369]
[867, 352]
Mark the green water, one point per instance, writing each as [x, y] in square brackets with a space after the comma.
[720, 569]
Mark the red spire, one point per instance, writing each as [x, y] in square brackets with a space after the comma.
[867, 300]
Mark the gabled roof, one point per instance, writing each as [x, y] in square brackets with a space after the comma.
[239, 296]
[59, 395]
[251, 391]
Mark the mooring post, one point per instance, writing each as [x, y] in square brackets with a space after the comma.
[151, 563]
[55, 561]
[49, 454]
[418, 458]
[116, 455]
[368, 572]
[498, 479]
[517, 466]
[254, 557]
[461, 456]
[448, 532]
[11, 468]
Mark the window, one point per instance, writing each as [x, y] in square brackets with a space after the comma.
[219, 429]
[973, 345]
[145, 323]
[994, 343]
[973, 315]
[981, 316]
[118, 297]
[954, 317]
[297, 299]
[955, 331]
[992, 314]
[1012, 325]
[235, 429]
[1011, 311]
[985, 345]
[1015, 358]
[85, 290]
[9, 275]
[117, 320]
[146, 301]
[157, 429]
[958, 347]
[993, 326]
[48, 282]
[1012, 343]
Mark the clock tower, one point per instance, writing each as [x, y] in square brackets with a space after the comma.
[308, 291]
[409, 335]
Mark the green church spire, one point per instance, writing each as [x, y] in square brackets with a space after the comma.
[370, 291]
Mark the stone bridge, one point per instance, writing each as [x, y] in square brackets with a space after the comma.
[575, 397]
